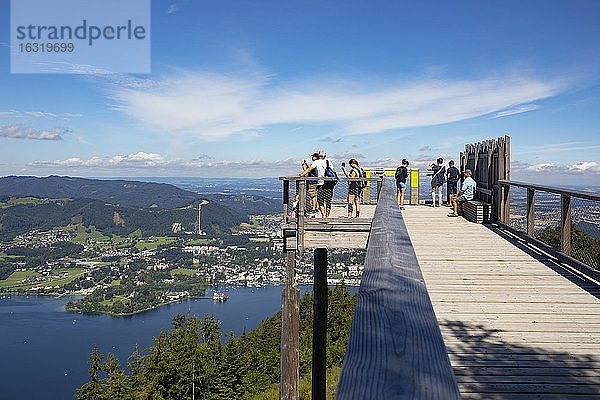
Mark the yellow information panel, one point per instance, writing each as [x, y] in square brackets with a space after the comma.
[414, 186]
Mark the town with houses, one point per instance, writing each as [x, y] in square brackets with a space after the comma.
[126, 275]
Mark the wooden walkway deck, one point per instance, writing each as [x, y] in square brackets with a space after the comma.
[516, 326]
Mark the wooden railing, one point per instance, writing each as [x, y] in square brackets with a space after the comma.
[395, 350]
[566, 196]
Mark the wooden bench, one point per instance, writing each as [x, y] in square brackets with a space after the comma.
[477, 211]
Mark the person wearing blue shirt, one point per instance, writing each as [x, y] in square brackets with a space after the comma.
[467, 192]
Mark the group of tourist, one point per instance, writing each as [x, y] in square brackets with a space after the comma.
[320, 191]
[440, 175]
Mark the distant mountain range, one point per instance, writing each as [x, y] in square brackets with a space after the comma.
[120, 192]
[117, 206]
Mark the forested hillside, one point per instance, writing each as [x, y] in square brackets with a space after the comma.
[192, 355]
[43, 214]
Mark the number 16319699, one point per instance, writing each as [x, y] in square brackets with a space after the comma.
[47, 47]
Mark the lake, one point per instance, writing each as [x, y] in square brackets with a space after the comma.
[45, 349]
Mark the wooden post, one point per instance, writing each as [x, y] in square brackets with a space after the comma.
[530, 211]
[286, 199]
[290, 334]
[506, 204]
[319, 360]
[565, 224]
[301, 209]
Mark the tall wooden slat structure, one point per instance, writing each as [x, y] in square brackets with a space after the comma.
[489, 162]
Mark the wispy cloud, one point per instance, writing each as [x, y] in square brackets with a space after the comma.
[213, 106]
[330, 139]
[39, 114]
[172, 9]
[347, 155]
[25, 132]
[554, 148]
[516, 110]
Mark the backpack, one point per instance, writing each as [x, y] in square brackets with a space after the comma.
[362, 174]
[440, 176]
[330, 173]
[401, 174]
[314, 173]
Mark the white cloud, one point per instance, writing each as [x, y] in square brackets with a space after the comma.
[152, 164]
[24, 132]
[584, 166]
[516, 110]
[541, 167]
[213, 106]
[139, 159]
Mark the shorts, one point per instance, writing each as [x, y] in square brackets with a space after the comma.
[311, 189]
[356, 191]
[436, 186]
[461, 199]
[401, 185]
[324, 195]
[452, 186]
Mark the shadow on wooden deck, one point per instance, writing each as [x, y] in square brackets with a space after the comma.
[489, 367]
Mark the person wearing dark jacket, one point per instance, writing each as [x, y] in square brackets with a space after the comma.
[452, 175]
[401, 175]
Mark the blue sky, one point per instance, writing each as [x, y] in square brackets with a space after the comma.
[244, 88]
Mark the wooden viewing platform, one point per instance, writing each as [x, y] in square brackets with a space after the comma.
[450, 309]
[515, 324]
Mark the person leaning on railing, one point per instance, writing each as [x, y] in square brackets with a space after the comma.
[311, 186]
[324, 188]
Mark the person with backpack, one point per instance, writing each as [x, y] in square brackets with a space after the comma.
[452, 176]
[437, 180]
[324, 187]
[401, 175]
[355, 188]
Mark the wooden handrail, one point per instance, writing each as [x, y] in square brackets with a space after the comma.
[323, 178]
[395, 350]
[550, 189]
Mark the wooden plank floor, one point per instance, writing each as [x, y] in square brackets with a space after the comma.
[514, 326]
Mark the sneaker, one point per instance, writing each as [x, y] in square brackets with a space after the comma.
[402, 208]
[453, 215]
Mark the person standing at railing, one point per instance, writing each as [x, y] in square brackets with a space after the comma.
[437, 180]
[467, 192]
[452, 175]
[311, 186]
[324, 188]
[354, 187]
[401, 175]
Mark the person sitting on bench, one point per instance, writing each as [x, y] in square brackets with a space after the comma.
[467, 192]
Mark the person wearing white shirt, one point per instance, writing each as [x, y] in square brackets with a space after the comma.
[467, 192]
